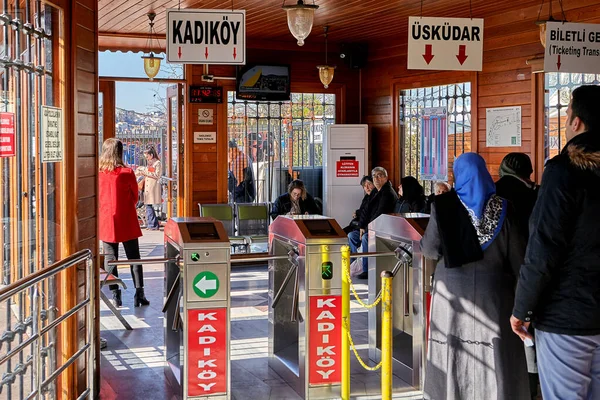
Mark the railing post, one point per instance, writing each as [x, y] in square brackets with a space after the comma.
[386, 335]
[345, 322]
[90, 274]
[36, 328]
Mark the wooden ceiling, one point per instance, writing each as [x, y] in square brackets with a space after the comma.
[124, 22]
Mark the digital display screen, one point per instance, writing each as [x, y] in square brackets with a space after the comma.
[320, 227]
[264, 82]
[202, 231]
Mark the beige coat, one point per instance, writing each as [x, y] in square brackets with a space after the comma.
[152, 186]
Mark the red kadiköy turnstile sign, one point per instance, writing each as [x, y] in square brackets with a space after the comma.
[346, 168]
[7, 134]
[325, 340]
[207, 352]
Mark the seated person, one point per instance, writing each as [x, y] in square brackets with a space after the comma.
[439, 187]
[367, 184]
[412, 196]
[295, 202]
[382, 202]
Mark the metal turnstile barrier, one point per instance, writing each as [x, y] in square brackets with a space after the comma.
[197, 315]
[411, 285]
[305, 317]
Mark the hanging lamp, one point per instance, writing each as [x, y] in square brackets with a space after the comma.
[326, 71]
[300, 18]
[542, 23]
[151, 60]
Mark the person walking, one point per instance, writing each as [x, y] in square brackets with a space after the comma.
[118, 222]
[559, 285]
[152, 187]
[472, 353]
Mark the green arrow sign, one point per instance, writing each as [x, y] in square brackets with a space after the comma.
[206, 284]
[326, 270]
[195, 256]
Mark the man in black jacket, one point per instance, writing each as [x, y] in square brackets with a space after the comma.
[383, 202]
[559, 284]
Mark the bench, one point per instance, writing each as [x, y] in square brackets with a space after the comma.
[109, 279]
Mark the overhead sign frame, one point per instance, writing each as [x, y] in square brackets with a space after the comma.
[572, 47]
[206, 36]
[445, 44]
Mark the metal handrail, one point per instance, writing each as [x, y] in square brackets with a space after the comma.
[30, 282]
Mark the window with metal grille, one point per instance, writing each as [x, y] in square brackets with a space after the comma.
[457, 100]
[272, 143]
[558, 87]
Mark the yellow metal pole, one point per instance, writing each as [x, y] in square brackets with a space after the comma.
[386, 335]
[345, 322]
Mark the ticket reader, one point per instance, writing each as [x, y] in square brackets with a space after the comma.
[197, 308]
[401, 232]
[305, 312]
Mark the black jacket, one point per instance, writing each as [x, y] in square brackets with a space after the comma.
[559, 284]
[355, 223]
[283, 205]
[383, 202]
[522, 198]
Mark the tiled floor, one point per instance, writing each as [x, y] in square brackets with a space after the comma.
[132, 364]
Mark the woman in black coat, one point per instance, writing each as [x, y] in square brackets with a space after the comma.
[412, 196]
[296, 201]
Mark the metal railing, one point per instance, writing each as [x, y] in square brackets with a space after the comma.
[40, 323]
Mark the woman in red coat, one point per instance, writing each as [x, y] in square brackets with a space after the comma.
[118, 195]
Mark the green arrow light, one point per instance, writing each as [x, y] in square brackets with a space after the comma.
[195, 257]
[327, 270]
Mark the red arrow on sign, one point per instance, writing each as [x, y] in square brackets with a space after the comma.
[558, 63]
[462, 57]
[234, 53]
[206, 53]
[428, 56]
[179, 52]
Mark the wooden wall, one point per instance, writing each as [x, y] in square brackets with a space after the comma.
[511, 39]
[207, 175]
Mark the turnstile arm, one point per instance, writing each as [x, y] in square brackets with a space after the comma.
[172, 292]
[176, 260]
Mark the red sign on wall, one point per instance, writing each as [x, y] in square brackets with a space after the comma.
[325, 340]
[207, 352]
[7, 134]
[346, 169]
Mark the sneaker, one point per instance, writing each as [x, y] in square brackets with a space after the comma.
[363, 275]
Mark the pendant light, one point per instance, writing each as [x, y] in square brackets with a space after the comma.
[151, 61]
[300, 18]
[326, 71]
[542, 23]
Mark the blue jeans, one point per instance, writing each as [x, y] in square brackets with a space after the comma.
[354, 241]
[151, 221]
[569, 366]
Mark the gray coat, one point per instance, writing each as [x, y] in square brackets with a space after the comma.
[472, 352]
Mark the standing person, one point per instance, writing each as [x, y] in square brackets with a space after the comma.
[515, 185]
[411, 196]
[240, 177]
[559, 286]
[297, 201]
[472, 354]
[118, 222]
[152, 187]
[383, 202]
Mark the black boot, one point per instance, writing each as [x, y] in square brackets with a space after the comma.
[139, 299]
[117, 298]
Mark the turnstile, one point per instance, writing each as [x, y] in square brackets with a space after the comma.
[305, 304]
[197, 308]
[401, 232]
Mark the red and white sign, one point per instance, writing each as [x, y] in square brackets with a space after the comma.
[207, 352]
[346, 169]
[7, 134]
[325, 340]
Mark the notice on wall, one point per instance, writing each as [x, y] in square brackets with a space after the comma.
[207, 352]
[325, 340]
[347, 168]
[503, 126]
[205, 116]
[205, 137]
[572, 47]
[51, 125]
[434, 144]
[450, 44]
[7, 134]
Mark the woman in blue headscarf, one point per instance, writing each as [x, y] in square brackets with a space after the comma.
[471, 353]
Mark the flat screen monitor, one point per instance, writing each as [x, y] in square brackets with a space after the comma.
[202, 231]
[263, 82]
